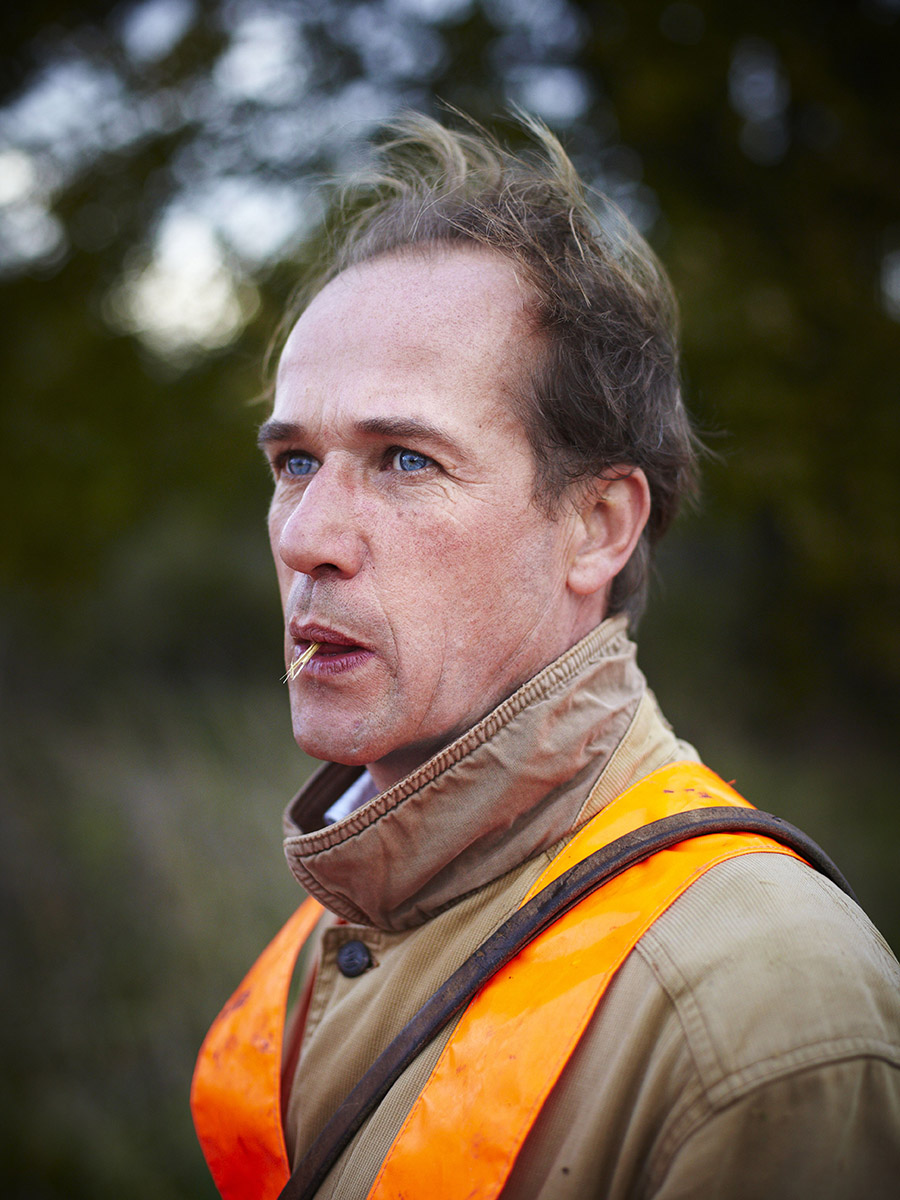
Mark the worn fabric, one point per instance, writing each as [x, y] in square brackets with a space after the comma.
[509, 788]
[749, 1046]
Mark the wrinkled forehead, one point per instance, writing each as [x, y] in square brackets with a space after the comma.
[442, 338]
[457, 303]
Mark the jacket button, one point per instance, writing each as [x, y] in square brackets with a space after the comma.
[353, 958]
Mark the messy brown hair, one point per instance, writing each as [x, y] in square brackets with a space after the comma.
[603, 397]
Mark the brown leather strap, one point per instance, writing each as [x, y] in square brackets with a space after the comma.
[505, 943]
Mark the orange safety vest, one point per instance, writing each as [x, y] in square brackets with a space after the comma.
[512, 1041]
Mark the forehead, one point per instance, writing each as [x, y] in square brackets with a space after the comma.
[453, 319]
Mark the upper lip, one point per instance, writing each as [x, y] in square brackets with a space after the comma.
[320, 633]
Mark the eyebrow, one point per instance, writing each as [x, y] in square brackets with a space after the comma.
[401, 428]
[277, 431]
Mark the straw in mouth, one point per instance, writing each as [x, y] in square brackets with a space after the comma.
[300, 662]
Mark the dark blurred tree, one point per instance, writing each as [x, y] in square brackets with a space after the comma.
[756, 145]
[770, 134]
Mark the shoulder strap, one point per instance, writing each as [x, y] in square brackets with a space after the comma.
[527, 923]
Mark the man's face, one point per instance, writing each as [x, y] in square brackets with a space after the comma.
[403, 527]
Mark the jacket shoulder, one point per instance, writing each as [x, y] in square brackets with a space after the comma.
[788, 1005]
[726, 1048]
[766, 961]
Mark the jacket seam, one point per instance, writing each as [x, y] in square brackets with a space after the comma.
[740, 1084]
[697, 1036]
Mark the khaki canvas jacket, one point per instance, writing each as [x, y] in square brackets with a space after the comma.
[748, 1047]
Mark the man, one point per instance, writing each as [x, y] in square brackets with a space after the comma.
[477, 436]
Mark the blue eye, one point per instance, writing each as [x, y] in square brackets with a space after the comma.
[408, 460]
[298, 464]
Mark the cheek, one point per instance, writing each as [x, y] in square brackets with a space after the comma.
[280, 507]
[283, 574]
[275, 521]
[432, 583]
[467, 576]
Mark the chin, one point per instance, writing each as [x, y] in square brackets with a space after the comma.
[326, 743]
[328, 750]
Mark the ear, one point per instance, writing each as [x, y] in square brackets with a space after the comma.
[612, 514]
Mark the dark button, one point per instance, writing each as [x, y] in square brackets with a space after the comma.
[353, 958]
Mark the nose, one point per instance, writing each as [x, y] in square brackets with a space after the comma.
[318, 533]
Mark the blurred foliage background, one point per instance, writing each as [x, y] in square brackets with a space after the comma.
[159, 170]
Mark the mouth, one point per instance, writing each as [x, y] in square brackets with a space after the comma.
[334, 651]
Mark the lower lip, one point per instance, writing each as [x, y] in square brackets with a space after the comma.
[325, 663]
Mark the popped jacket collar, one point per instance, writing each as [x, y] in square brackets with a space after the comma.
[507, 789]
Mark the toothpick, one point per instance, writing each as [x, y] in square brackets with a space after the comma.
[300, 662]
